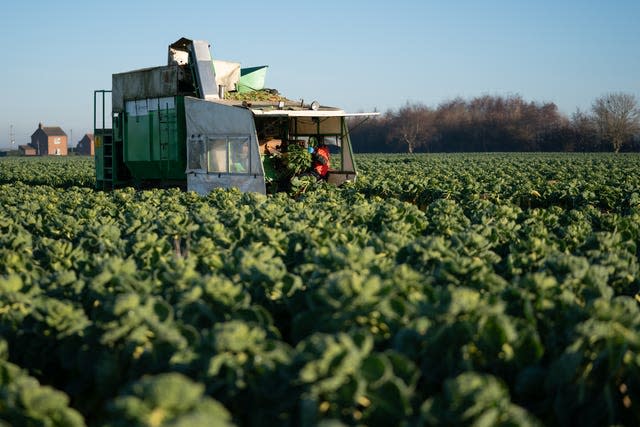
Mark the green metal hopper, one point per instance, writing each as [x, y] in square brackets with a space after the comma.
[252, 78]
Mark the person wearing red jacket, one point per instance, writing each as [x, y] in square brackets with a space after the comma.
[320, 161]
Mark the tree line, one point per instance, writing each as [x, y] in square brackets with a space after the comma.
[497, 123]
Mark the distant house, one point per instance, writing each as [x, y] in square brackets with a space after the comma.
[85, 145]
[49, 141]
[26, 150]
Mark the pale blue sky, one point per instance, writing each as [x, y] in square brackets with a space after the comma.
[358, 55]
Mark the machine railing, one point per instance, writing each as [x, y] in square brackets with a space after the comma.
[111, 171]
[99, 102]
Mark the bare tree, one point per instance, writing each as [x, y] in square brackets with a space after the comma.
[584, 131]
[412, 126]
[495, 123]
[617, 118]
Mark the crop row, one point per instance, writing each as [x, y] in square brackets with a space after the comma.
[607, 181]
[61, 172]
[474, 303]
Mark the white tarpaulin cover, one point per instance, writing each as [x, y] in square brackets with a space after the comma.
[227, 74]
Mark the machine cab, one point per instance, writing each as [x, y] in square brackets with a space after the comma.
[249, 146]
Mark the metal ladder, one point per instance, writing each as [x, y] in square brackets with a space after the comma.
[107, 162]
[103, 140]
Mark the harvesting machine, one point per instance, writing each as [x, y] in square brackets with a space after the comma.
[177, 125]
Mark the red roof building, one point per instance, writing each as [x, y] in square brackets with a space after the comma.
[85, 146]
[50, 141]
[26, 150]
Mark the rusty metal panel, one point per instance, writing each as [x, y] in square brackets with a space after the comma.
[146, 83]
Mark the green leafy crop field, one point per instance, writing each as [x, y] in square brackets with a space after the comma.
[467, 289]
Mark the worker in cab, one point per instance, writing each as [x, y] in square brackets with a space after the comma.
[320, 160]
[240, 161]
